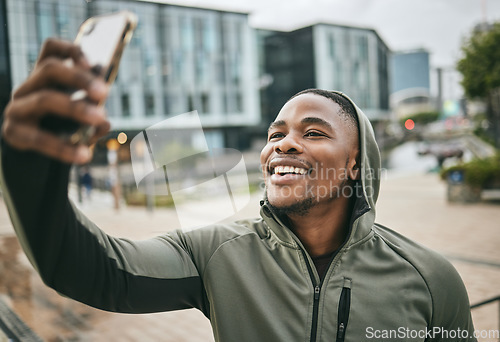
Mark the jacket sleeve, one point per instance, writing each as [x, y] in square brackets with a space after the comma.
[451, 321]
[77, 259]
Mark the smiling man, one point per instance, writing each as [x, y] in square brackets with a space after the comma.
[314, 267]
[311, 164]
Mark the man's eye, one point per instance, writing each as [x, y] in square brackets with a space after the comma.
[276, 136]
[314, 134]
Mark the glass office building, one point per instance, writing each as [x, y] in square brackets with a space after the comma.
[180, 59]
[355, 61]
[411, 69]
[351, 59]
[410, 81]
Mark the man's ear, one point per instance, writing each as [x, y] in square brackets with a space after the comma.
[354, 169]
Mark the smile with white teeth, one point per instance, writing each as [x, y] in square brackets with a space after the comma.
[282, 170]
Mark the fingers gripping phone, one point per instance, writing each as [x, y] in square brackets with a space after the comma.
[102, 40]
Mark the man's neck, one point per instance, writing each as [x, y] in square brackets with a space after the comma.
[324, 228]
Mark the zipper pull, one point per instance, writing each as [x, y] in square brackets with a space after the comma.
[341, 331]
[317, 289]
[344, 308]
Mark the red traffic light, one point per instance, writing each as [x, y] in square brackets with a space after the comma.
[409, 124]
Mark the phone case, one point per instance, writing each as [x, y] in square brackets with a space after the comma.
[104, 56]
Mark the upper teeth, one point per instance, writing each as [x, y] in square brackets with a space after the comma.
[289, 169]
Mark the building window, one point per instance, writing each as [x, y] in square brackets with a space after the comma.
[235, 69]
[331, 45]
[198, 25]
[190, 103]
[149, 101]
[186, 34]
[221, 71]
[136, 37]
[166, 104]
[225, 105]
[178, 66]
[200, 69]
[45, 20]
[239, 102]
[347, 44]
[205, 103]
[356, 75]
[32, 57]
[339, 75]
[238, 31]
[63, 15]
[209, 39]
[125, 105]
[363, 47]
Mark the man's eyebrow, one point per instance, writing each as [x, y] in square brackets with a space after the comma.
[276, 124]
[306, 120]
[318, 121]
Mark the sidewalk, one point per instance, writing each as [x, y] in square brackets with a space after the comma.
[467, 234]
[415, 205]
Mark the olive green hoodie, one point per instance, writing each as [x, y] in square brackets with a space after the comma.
[253, 279]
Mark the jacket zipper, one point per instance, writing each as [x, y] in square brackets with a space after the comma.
[344, 308]
[314, 327]
[317, 293]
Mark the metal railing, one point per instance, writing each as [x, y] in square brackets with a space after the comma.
[12, 328]
[488, 301]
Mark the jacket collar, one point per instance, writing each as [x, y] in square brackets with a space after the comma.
[361, 222]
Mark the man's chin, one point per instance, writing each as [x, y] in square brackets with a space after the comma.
[287, 208]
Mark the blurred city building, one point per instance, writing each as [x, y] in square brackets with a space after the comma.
[183, 58]
[5, 82]
[351, 59]
[180, 59]
[410, 83]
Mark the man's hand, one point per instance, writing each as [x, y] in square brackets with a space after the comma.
[61, 65]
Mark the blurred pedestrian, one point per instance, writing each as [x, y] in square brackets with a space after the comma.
[86, 181]
[114, 185]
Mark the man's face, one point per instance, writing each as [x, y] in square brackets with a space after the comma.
[310, 153]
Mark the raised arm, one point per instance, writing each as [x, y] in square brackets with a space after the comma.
[72, 255]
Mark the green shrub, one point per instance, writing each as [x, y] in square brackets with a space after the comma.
[422, 118]
[482, 132]
[478, 172]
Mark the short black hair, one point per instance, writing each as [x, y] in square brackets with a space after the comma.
[348, 110]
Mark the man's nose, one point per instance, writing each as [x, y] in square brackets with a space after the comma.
[288, 144]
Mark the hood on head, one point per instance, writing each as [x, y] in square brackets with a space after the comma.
[363, 215]
[369, 156]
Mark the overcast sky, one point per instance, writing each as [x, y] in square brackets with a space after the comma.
[436, 25]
